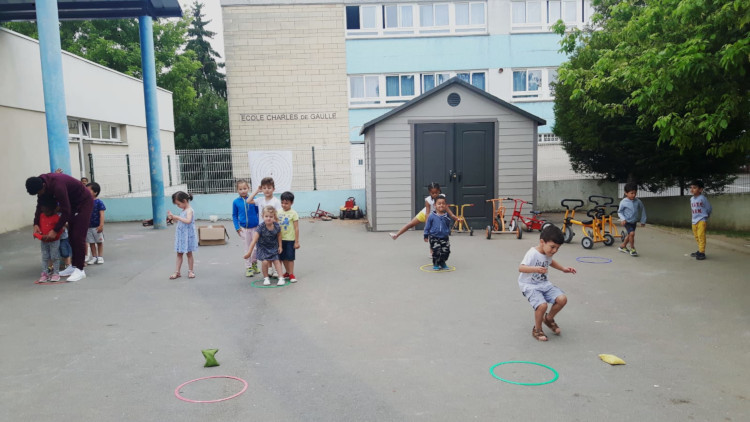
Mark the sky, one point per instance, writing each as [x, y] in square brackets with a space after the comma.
[212, 12]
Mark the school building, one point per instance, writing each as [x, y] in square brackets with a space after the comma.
[316, 72]
[105, 118]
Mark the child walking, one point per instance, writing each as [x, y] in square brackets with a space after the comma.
[245, 218]
[436, 231]
[95, 234]
[701, 210]
[185, 236]
[535, 285]
[631, 210]
[268, 241]
[50, 247]
[289, 222]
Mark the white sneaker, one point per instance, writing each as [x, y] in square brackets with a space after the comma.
[266, 281]
[100, 260]
[272, 272]
[67, 271]
[91, 260]
[77, 275]
[282, 281]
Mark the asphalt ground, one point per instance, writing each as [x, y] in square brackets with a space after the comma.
[365, 335]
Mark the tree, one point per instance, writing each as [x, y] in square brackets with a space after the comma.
[608, 129]
[209, 78]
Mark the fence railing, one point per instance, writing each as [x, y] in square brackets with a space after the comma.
[216, 170]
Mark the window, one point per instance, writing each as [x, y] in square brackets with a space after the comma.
[410, 19]
[362, 19]
[364, 90]
[434, 18]
[399, 86]
[539, 15]
[431, 80]
[72, 127]
[99, 130]
[533, 83]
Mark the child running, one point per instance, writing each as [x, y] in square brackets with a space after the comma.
[268, 240]
[701, 210]
[429, 204]
[536, 287]
[245, 218]
[95, 234]
[289, 222]
[436, 231]
[631, 210]
[185, 237]
[51, 247]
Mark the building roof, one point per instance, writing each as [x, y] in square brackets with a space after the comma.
[445, 85]
[25, 10]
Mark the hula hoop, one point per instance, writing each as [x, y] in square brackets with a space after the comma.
[254, 283]
[428, 269]
[594, 260]
[49, 283]
[177, 390]
[492, 372]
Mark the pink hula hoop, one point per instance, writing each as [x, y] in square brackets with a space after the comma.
[177, 390]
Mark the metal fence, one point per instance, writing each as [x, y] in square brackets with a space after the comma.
[553, 163]
[216, 170]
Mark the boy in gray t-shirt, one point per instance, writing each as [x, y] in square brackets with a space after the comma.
[535, 286]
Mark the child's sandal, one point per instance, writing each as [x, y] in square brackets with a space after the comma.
[191, 274]
[552, 325]
[175, 276]
[539, 335]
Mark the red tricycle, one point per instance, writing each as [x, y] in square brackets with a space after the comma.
[531, 223]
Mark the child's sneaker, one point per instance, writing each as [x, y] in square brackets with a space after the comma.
[286, 275]
[100, 260]
[91, 260]
[444, 267]
[255, 268]
[67, 271]
[43, 277]
[633, 252]
[281, 282]
[55, 278]
[266, 281]
[249, 272]
[292, 278]
[700, 256]
[435, 268]
[694, 254]
[623, 249]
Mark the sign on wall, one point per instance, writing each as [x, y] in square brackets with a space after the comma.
[285, 117]
[276, 164]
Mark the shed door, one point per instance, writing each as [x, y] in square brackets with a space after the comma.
[460, 157]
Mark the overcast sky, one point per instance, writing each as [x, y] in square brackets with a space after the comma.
[212, 12]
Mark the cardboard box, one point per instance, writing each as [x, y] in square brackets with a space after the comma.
[215, 234]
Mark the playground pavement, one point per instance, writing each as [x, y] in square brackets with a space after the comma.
[365, 335]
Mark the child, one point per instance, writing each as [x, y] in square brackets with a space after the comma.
[267, 186]
[701, 211]
[289, 222]
[437, 230]
[95, 235]
[535, 286]
[245, 218]
[629, 211]
[50, 248]
[84, 181]
[268, 239]
[429, 202]
[185, 237]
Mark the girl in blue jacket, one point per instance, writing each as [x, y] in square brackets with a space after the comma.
[245, 218]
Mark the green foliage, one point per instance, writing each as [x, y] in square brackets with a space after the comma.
[658, 93]
[210, 78]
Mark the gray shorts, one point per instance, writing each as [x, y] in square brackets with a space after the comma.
[93, 237]
[537, 296]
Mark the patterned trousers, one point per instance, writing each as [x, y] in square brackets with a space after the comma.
[441, 250]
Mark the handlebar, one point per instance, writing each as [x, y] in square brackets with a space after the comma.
[565, 203]
[607, 199]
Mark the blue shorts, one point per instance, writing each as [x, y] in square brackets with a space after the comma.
[287, 250]
[537, 296]
[630, 227]
[65, 249]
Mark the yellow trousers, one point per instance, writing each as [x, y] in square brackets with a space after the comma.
[699, 231]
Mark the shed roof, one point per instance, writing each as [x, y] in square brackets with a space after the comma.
[445, 85]
[25, 10]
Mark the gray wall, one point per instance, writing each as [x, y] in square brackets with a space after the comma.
[730, 212]
[550, 193]
[391, 150]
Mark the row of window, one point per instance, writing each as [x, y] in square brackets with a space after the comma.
[366, 90]
[89, 129]
[409, 19]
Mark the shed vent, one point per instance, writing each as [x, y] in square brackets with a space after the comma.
[454, 99]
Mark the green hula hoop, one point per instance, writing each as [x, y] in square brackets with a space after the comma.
[255, 283]
[492, 372]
